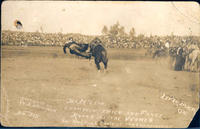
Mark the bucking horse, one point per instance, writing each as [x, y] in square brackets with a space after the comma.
[95, 49]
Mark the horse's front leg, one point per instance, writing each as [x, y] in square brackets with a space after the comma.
[90, 61]
[90, 57]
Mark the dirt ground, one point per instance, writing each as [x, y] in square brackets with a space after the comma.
[40, 86]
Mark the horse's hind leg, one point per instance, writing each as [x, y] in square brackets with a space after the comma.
[105, 65]
[97, 64]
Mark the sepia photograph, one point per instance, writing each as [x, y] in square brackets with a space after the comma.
[126, 64]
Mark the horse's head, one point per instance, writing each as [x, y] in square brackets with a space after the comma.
[66, 46]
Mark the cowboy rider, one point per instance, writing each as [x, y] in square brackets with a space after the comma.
[76, 48]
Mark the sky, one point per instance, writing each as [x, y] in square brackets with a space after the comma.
[89, 17]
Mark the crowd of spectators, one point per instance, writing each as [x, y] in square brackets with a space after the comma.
[59, 39]
[19, 38]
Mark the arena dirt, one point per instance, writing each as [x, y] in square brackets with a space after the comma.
[41, 86]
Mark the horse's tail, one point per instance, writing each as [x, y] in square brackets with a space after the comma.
[66, 46]
[104, 53]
